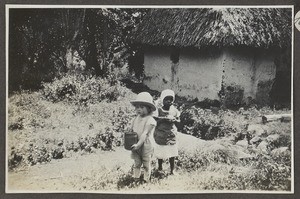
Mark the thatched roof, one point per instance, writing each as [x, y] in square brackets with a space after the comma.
[202, 27]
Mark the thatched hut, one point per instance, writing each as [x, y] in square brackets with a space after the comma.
[204, 52]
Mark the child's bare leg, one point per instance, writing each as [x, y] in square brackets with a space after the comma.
[147, 168]
[172, 164]
[137, 167]
[160, 161]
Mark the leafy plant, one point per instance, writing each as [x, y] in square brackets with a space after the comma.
[83, 90]
[15, 158]
[38, 154]
[26, 112]
[231, 96]
[270, 175]
[204, 124]
[205, 157]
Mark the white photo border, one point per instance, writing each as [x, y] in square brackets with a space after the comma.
[37, 6]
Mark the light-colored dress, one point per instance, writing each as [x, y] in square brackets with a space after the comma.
[165, 134]
[143, 155]
[138, 126]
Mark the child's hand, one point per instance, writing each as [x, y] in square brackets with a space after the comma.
[134, 147]
[171, 142]
[177, 119]
[171, 117]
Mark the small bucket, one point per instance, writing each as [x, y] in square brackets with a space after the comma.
[130, 139]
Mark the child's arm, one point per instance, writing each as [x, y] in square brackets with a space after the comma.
[177, 117]
[148, 129]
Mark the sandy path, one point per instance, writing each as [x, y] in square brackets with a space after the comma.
[60, 175]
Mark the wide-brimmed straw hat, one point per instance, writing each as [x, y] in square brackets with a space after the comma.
[144, 98]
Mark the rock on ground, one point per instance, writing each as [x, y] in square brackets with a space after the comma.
[263, 147]
[255, 129]
[280, 151]
[242, 143]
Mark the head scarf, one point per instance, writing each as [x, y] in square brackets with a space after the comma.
[159, 102]
[166, 93]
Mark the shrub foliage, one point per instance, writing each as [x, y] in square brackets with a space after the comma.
[205, 124]
[83, 89]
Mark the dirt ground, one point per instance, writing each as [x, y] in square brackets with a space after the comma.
[59, 175]
[65, 175]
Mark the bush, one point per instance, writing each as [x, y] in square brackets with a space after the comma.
[17, 125]
[43, 151]
[232, 96]
[15, 158]
[205, 157]
[121, 119]
[270, 175]
[260, 173]
[204, 124]
[31, 116]
[25, 111]
[83, 90]
[38, 154]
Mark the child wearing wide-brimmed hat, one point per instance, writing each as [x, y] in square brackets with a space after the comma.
[143, 124]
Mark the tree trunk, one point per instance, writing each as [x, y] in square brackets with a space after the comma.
[91, 51]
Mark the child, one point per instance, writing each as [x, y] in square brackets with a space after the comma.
[166, 131]
[143, 124]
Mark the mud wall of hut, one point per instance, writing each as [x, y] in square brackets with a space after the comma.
[252, 70]
[199, 74]
[202, 74]
[195, 75]
[157, 69]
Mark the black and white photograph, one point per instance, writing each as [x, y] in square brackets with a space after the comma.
[149, 99]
